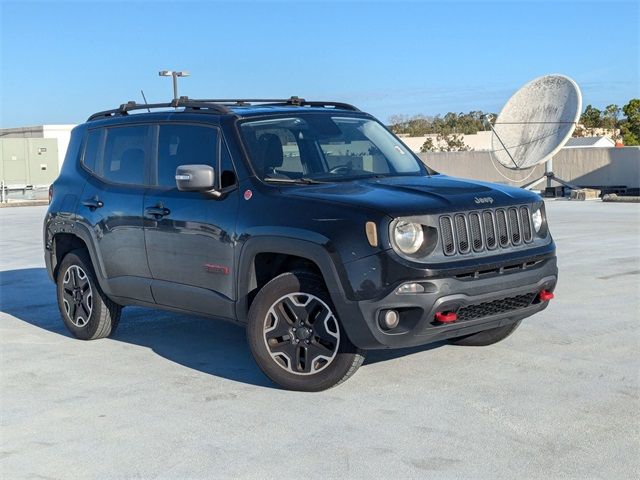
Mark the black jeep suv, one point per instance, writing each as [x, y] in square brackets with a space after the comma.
[308, 222]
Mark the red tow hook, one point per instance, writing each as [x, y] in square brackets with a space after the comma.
[545, 295]
[446, 317]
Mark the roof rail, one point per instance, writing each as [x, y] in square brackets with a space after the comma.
[292, 101]
[185, 102]
[217, 105]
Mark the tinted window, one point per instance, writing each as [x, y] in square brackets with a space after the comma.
[124, 155]
[227, 171]
[185, 145]
[93, 150]
[325, 148]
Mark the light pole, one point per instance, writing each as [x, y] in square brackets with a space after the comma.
[175, 75]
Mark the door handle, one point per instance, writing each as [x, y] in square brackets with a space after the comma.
[158, 211]
[93, 203]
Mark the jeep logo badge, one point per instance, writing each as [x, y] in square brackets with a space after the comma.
[483, 200]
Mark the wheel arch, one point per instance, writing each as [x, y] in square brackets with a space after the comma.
[64, 241]
[263, 258]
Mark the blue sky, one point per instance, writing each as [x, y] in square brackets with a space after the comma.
[61, 61]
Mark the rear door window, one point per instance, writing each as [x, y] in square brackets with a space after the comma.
[125, 155]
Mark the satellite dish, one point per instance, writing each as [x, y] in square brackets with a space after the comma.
[535, 124]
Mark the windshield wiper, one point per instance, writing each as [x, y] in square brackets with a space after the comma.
[301, 180]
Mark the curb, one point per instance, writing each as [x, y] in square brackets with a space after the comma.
[25, 203]
[612, 197]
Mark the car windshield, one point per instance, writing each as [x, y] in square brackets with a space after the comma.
[318, 147]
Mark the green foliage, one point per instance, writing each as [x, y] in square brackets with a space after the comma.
[591, 118]
[611, 116]
[451, 123]
[630, 128]
[445, 143]
[453, 143]
[450, 127]
[428, 146]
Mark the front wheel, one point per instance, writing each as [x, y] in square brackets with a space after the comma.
[296, 337]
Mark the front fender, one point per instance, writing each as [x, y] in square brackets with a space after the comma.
[313, 247]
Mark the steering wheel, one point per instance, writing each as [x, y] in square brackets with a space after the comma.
[340, 169]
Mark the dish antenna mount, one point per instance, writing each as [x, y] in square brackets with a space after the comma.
[535, 124]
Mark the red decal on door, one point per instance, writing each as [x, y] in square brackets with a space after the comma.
[248, 194]
[213, 268]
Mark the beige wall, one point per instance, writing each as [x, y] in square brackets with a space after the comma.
[28, 161]
[61, 133]
[476, 141]
[582, 166]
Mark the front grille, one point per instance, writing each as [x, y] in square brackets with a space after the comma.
[495, 307]
[462, 234]
[489, 230]
[446, 233]
[514, 226]
[526, 224]
[503, 235]
[486, 230]
[476, 232]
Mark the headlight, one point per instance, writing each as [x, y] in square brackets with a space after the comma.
[536, 217]
[408, 236]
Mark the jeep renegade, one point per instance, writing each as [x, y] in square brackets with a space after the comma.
[307, 222]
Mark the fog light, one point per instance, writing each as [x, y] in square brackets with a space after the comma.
[390, 320]
[410, 288]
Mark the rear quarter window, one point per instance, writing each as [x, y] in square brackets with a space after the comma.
[93, 148]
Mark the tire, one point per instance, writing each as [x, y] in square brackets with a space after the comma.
[486, 337]
[295, 337]
[86, 311]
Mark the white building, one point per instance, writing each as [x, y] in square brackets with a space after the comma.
[589, 142]
[61, 133]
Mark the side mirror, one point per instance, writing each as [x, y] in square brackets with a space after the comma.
[195, 178]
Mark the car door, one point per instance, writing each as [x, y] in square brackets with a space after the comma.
[117, 161]
[189, 236]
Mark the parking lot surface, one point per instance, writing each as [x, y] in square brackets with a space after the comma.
[174, 396]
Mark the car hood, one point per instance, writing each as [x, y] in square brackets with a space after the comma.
[415, 195]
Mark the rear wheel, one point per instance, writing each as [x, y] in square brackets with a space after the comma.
[86, 311]
[295, 335]
[486, 337]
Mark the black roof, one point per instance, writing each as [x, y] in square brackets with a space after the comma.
[238, 107]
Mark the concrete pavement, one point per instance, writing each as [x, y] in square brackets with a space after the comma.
[174, 396]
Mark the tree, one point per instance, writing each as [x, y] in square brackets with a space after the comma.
[452, 143]
[630, 128]
[611, 116]
[591, 118]
[428, 146]
[451, 123]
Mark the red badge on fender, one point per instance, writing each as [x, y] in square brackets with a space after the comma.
[248, 194]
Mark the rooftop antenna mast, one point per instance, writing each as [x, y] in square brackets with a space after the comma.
[535, 124]
[145, 100]
[174, 75]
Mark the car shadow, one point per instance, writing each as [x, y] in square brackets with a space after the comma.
[375, 356]
[214, 347]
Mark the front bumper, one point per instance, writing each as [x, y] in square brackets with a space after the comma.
[491, 301]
